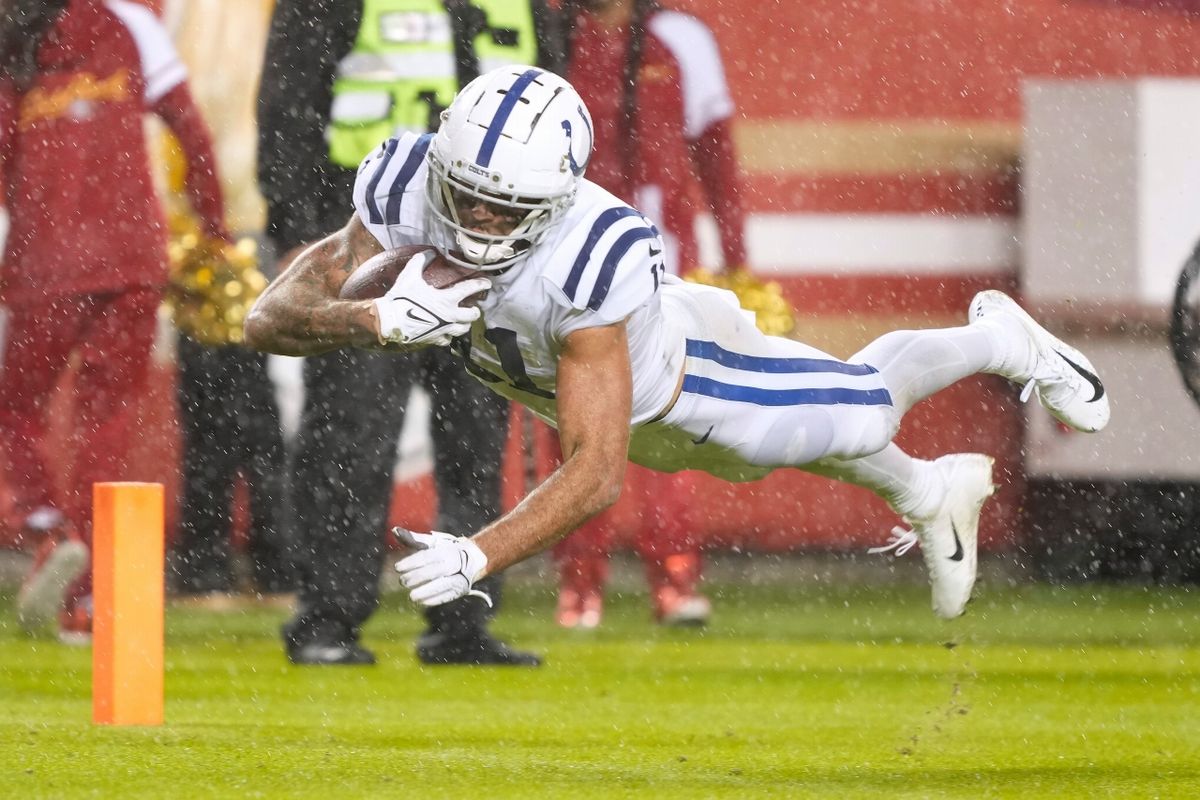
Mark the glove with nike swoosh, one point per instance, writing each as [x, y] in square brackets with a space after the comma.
[443, 568]
[413, 312]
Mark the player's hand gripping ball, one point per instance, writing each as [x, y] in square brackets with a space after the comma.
[419, 297]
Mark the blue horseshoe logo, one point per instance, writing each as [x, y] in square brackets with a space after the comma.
[576, 168]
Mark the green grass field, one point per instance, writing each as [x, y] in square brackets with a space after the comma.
[1090, 691]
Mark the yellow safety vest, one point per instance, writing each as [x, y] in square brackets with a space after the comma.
[402, 73]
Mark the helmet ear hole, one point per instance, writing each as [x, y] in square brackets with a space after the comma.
[504, 141]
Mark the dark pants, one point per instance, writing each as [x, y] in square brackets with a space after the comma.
[230, 426]
[354, 407]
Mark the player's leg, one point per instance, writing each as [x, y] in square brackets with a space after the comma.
[668, 547]
[582, 562]
[729, 358]
[941, 500]
[778, 402]
[115, 347]
[773, 402]
[581, 557]
[39, 343]
[346, 450]
[37, 348]
[915, 364]
[201, 563]
[842, 428]
[1001, 339]
[1064, 379]
[265, 465]
[851, 441]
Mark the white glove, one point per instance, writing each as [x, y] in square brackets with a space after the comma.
[444, 568]
[413, 312]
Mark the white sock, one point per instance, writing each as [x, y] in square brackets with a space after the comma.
[1013, 353]
[913, 487]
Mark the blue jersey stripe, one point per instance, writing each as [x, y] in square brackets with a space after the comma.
[502, 113]
[373, 212]
[411, 165]
[609, 268]
[603, 222]
[785, 397]
[727, 358]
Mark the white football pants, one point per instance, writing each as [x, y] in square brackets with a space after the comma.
[752, 403]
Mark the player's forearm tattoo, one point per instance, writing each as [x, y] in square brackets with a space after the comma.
[301, 314]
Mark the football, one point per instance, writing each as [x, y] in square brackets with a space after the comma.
[377, 274]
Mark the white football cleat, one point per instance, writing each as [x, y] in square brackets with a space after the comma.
[949, 539]
[1066, 382]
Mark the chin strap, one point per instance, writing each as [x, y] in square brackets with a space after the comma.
[483, 252]
[484, 596]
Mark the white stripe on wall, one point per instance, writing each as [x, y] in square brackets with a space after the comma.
[903, 244]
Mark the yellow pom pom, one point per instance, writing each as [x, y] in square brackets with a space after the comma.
[212, 285]
[772, 313]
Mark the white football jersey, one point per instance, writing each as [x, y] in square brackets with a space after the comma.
[602, 264]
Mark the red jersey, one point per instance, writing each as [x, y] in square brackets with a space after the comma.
[681, 112]
[84, 216]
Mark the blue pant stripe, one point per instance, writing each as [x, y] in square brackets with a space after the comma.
[727, 358]
[694, 384]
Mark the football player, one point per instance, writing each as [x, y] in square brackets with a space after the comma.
[582, 325]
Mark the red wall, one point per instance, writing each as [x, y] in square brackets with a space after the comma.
[932, 59]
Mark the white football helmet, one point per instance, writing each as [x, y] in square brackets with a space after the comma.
[515, 141]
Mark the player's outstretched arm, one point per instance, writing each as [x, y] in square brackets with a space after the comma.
[594, 397]
[300, 313]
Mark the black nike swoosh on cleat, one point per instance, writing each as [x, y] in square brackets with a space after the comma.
[704, 438]
[958, 548]
[1090, 377]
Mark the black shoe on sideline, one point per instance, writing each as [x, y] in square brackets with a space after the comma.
[436, 648]
[322, 654]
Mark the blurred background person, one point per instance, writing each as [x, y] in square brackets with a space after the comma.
[654, 82]
[228, 413]
[85, 260]
[231, 428]
[338, 79]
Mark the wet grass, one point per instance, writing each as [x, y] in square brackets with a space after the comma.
[1089, 691]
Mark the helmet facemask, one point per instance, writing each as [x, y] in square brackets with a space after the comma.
[531, 219]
